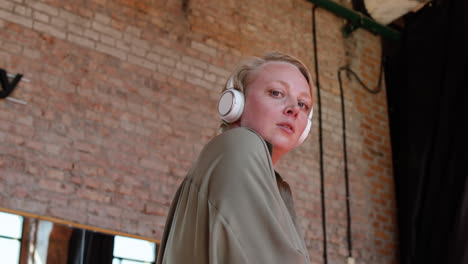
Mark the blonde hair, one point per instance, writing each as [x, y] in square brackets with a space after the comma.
[240, 77]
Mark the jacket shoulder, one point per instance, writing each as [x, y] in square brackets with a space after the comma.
[236, 155]
[238, 139]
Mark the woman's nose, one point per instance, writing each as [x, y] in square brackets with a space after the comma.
[292, 109]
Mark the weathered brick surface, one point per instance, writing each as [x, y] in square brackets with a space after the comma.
[122, 97]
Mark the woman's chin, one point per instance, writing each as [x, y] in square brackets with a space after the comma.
[283, 145]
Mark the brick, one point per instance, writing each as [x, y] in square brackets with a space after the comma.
[93, 195]
[24, 21]
[107, 40]
[91, 34]
[178, 75]
[200, 82]
[77, 29]
[155, 209]
[56, 22]
[108, 187]
[104, 19]
[137, 43]
[49, 30]
[27, 205]
[210, 77]
[133, 30]
[168, 62]
[45, 8]
[141, 194]
[195, 62]
[106, 30]
[11, 47]
[195, 71]
[165, 52]
[203, 48]
[33, 54]
[22, 10]
[142, 62]
[218, 71]
[154, 164]
[25, 120]
[56, 163]
[137, 50]
[81, 41]
[104, 222]
[73, 18]
[123, 46]
[56, 186]
[7, 5]
[91, 183]
[56, 174]
[111, 51]
[68, 213]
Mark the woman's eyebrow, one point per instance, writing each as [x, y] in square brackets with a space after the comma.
[283, 83]
[302, 94]
[306, 96]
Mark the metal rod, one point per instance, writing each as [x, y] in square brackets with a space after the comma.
[11, 75]
[357, 19]
[14, 100]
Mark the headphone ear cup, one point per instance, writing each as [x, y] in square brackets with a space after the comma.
[231, 105]
[306, 131]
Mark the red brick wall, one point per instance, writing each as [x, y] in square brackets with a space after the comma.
[122, 98]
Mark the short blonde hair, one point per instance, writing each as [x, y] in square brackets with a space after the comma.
[240, 76]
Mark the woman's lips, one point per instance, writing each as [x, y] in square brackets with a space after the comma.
[287, 127]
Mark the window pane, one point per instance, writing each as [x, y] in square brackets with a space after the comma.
[124, 261]
[9, 251]
[125, 247]
[11, 225]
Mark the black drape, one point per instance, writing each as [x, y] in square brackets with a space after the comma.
[426, 75]
[88, 247]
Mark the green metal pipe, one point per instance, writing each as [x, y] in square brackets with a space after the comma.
[356, 20]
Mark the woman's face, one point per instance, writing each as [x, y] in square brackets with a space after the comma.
[277, 105]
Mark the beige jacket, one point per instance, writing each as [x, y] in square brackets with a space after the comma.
[229, 208]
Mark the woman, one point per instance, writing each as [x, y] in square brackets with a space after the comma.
[233, 207]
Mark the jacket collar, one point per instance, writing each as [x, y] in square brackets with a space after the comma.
[269, 145]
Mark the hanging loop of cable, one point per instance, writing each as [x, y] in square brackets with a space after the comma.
[345, 148]
[349, 71]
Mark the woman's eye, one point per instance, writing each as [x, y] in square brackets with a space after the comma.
[276, 93]
[302, 105]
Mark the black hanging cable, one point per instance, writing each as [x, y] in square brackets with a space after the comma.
[345, 156]
[349, 71]
[345, 150]
[322, 178]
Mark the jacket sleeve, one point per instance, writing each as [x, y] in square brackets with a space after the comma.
[249, 222]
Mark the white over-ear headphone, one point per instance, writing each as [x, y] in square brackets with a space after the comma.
[231, 103]
[306, 131]
[231, 106]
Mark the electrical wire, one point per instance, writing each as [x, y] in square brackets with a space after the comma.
[322, 174]
[345, 148]
[349, 71]
[378, 89]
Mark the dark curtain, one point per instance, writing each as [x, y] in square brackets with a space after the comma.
[88, 247]
[426, 76]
